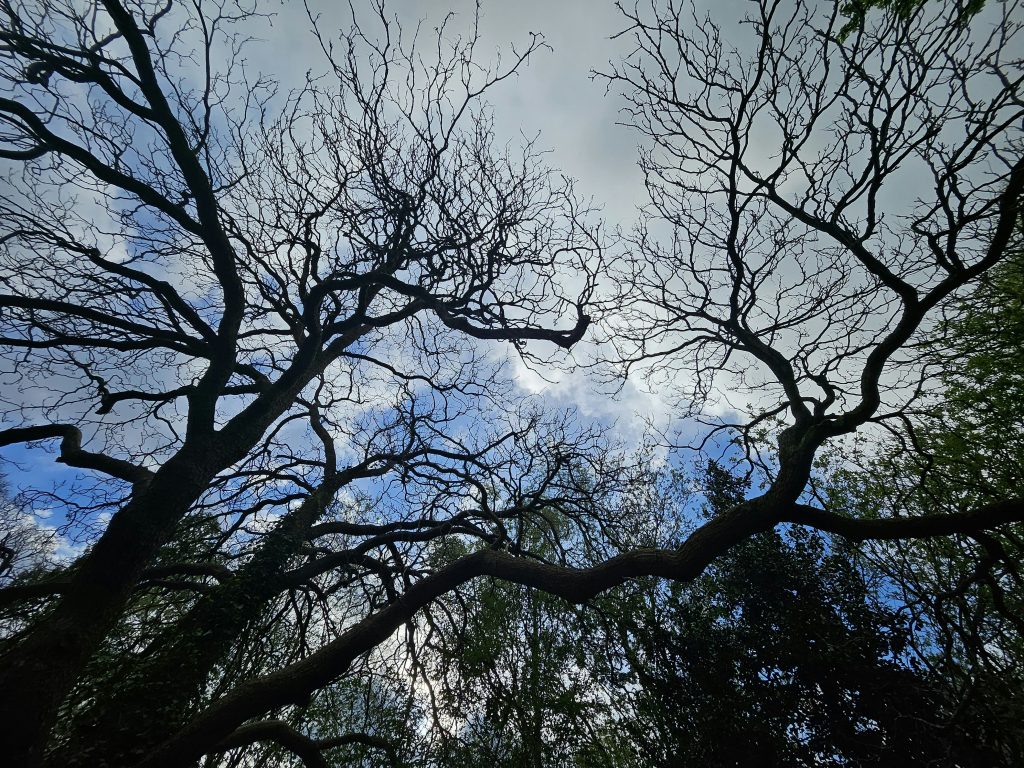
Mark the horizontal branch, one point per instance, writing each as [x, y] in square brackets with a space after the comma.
[72, 453]
[294, 683]
[155, 576]
[17, 593]
[306, 749]
[983, 518]
[279, 732]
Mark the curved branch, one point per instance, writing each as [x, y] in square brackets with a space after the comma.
[151, 576]
[296, 681]
[51, 142]
[72, 454]
[565, 339]
[306, 749]
[280, 732]
[17, 593]
[1010, 202]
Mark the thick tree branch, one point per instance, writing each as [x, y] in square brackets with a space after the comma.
[49, 588]
[279, 732]
[984, 518]
[72, 454]
[310, 751]
[295, 682]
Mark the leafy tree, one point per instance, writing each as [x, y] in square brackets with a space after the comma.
[788, 650]
[858, 11]
[784, 652]
[514, 671]
[968, 448]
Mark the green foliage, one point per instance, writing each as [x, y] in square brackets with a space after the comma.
[780, 654]
[515, 683]
[856, 11]
[965, 593]
[977, 433]
[785, 652]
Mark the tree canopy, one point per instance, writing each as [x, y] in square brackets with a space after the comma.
[311, 518]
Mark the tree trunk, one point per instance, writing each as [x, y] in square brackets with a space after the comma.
[39, 672]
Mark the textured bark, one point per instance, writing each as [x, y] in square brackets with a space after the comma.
[984, 518]
[310, 751]
[160, 689]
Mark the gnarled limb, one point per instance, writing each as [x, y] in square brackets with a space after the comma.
[983, 518]
[297, 681]
[72, 453]
[310, 751]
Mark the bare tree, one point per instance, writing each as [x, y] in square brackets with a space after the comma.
[823, 198]
[202, 274]
[238, 303]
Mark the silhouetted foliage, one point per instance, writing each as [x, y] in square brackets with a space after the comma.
[266, 329]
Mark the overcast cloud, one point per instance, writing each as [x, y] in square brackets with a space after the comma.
[553, 96]
[555, 99]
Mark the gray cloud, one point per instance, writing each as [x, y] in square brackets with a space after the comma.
[554, 96]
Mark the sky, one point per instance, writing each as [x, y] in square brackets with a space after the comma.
[554, 95]
[554, 98]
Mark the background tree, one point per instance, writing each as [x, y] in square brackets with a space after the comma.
[513, 670]
[968, 447]
[787, 650]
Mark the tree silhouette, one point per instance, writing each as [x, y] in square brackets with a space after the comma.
[259, 320]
